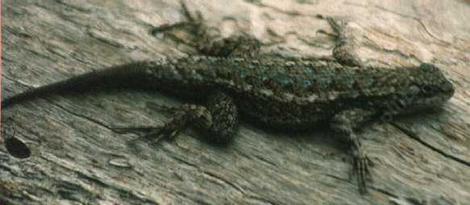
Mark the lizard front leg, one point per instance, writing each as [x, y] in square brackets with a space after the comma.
[217, 120]
[344, 50]
[208, 40]
[344, 124]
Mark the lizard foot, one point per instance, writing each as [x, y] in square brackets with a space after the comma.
[207, 40]
[361, 169]
[217, 120]
[182, 116]
[154, 134]
[193, 24]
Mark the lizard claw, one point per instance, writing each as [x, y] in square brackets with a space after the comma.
[134, 130]
[169, 130]
[193, 21]
[361, 169]
[154, 134]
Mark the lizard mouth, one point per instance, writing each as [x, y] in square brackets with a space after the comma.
[428, 100]
[448, 89]
[435, 95]
[432, 102]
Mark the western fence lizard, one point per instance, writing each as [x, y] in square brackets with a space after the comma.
[274, 91]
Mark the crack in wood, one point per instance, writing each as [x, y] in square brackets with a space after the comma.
[415, 137]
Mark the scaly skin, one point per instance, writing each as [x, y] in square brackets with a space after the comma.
[274, 90]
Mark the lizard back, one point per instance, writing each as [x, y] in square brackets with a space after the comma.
[272, 90]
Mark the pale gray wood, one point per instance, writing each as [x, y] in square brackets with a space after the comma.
[77, 159]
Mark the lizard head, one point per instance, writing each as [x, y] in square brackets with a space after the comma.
[427, 88]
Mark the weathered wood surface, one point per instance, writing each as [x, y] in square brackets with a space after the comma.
[77, 159]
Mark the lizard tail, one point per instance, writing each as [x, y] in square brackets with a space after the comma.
[114, 77]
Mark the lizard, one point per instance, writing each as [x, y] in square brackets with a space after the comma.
[285, 93]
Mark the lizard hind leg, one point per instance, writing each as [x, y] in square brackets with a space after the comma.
[207, 40]
[182, 116]
[224, 118]
[217, 120]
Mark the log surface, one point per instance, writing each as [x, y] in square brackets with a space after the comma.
[77, 159]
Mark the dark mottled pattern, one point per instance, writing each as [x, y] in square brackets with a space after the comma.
[274, 90]
[289, 93]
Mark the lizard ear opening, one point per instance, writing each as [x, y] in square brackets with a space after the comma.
[17, 148]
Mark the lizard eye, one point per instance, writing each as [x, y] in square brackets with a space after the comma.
[428, 90]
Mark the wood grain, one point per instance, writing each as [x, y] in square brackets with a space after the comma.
[77, 159]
